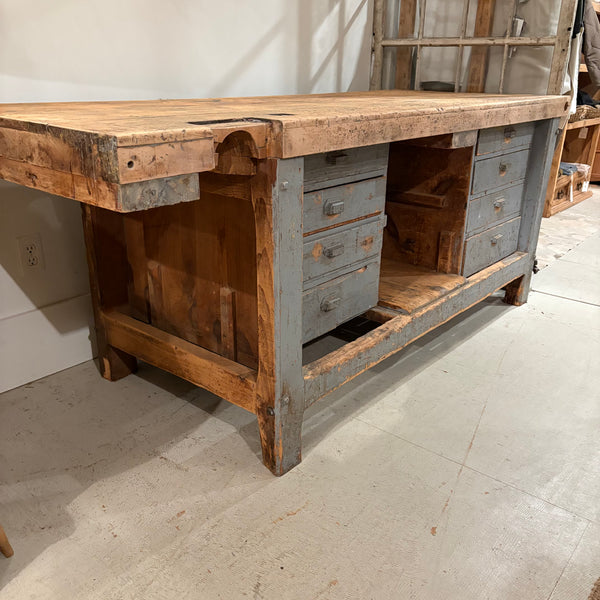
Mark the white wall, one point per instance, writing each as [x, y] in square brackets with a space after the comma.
[140, 49]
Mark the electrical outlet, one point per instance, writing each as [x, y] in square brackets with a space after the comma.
[31, 252]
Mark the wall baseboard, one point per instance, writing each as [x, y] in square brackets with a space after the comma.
[44, 341]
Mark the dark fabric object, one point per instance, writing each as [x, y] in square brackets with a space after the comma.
[585, 98]
[591, 42]
[578, 18]
[567, 168]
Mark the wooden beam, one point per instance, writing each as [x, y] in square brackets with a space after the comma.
[336, 368]
[406, 29]
[560, 57]
[104, 256]
[277, 200]
[459, 139]
[378, 24]
[484, 21]
[137, 284]
[457, 42]
[203, 368]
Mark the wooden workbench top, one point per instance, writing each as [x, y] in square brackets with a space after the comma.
[83, 150]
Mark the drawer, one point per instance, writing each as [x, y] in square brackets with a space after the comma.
[498, 206]
[326, 306]
[492, 173]
[326, 252]
[344, 166]
[505, 138]
[337, 205]
[492, 245]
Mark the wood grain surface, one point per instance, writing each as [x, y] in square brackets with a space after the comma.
[87, 150]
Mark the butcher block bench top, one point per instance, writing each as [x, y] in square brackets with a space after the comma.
[89, 150]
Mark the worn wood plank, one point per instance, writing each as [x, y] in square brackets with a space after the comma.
[164, 138]
[158, 161]
[560, 56]
[228, 325]
[408, 288]
[484, 21]
[137, 284]
[406, 29]
[458, 139]
[196, 249]
[336, 368]
[95, 192]
[213, 372]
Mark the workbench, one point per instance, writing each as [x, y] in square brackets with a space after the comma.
[223, 235]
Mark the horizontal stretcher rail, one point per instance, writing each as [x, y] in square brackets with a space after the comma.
[213, 372]
[479, 41]
[336, 368]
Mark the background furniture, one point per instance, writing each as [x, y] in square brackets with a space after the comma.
[578, 144]
[222, 235]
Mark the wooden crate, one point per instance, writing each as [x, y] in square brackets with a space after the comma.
[578, 144]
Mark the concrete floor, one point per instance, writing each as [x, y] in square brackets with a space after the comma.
[467, 467]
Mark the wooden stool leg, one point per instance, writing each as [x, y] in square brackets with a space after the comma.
[5, 546]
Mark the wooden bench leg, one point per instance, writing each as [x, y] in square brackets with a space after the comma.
[277, 200]
[517, 291]
[5, 546]
[106, 283]
[542, 154]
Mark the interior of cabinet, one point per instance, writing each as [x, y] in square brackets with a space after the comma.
[426, 207]
[184, 268]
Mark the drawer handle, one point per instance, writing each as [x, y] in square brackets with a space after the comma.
[333, 158]
[496, 239]
[499, 202]
[333, 251]
[334, 208]
[510, 133]
[330, 304]
[503, 168]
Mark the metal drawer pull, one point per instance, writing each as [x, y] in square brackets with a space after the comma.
[510, 133]
[503, 168]
[334, 208]
[496, 239]
[334, 251]
[333, 158]
[330, 304]
[499, 202]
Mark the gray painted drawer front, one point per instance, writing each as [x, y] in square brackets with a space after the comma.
[499, 171]
[493, 208]
[505, 138]
[332, 250]
[492, 245]
[343, 166]
[326, 306]
[337, 205]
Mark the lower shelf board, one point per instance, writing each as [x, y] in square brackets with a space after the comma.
[556, 208]
[407, 287]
